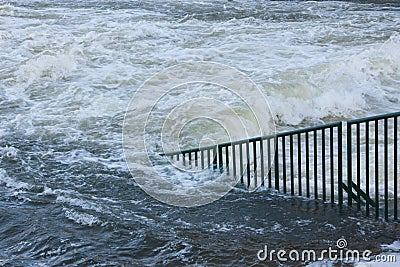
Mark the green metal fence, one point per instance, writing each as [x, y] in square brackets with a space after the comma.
[372, 164]
[311, 162]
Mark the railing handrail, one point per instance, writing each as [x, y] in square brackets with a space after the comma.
[286, 133]
[256, 139]
[373, 118]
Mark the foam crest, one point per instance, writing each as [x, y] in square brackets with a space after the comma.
[47, 67]
[12, 183]
[346, 87]
[82, 218]
[8, 152]
[79, 203]
[7, 10]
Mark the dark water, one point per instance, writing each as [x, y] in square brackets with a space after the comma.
[67, 73]
[86, 214]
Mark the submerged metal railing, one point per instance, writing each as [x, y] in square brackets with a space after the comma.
[310, 162]
[372, 164]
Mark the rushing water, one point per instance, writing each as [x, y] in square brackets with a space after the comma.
[68, 70]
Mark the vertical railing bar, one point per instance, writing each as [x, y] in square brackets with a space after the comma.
[358, 153]
[255, 162]
[177, 157]
[234, 160]
[291, 166]
[386, 167]
[276, 159]
[202, 159]
[184, 159]
[307, 165]
[395, 162]
[241, 163]
[269, 163]
[248, 163]
[315, 165]
[299, 162]
[284, 163]
[323, 166]
[190, 159]
[332, 167]
[220, 159]
[227, 159]
[376, 169]
[215, 158]
[208, 158]
[340, 163]
[367, 165]
[349, 165]
[196, 158]
[262, 161]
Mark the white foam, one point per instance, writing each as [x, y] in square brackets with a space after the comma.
[8, 152]
[98, 62]
[79, 203]
[12, 183]
[342, 86]
[7, 10]
[47, 67]
[82, 218]
[395, 246]
[323, 263]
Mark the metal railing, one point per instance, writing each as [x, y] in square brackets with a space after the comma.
[372, 148]
[310, 162]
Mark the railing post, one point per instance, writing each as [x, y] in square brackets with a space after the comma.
[269, 162]
[241, 163]
[386, 166]
[214, 157]
[262, 161]
[367, 164]
[299, 163]
[358, 166]
[307, 165]
[276, 160]
[332, 153]
[202, 159]
[376, 168]
[395, 168]
[220, 159]
[323, 166]
[234, 160]
[291, 165]
[284, 163]
[255, 162]
[248, 163]
[315, 165]
[340, 163]
[349, 163]
[227, 159]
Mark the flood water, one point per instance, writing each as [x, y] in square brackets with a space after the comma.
[68, 70]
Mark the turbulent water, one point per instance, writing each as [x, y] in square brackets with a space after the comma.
[68, 70]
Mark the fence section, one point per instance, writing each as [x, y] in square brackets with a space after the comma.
[304, 162]
[372, 165]
[309, 162]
